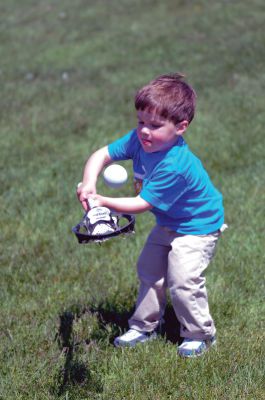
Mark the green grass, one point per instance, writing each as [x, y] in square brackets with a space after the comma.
[68, 74]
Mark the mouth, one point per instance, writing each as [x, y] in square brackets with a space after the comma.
[146, 142]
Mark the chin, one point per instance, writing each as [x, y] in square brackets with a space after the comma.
[148, 149]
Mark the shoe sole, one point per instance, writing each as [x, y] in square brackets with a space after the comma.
[128, 344]
[194, 354]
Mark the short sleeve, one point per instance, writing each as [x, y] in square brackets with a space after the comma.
[164, 189]
[123, 148]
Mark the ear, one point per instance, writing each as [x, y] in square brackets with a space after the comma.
[181, 127]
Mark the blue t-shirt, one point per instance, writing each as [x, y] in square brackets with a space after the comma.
[175, 184]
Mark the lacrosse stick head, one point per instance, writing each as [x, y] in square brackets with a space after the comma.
[100, 224]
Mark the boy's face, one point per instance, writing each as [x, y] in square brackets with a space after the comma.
[156, 133]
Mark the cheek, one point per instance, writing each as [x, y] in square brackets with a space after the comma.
[163, 138]
[158, 137]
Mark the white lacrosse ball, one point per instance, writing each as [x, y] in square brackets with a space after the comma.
[115, 176]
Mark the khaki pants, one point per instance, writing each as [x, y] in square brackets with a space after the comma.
[177, 262]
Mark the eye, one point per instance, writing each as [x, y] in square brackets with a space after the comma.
[155, 126]
[140, 122]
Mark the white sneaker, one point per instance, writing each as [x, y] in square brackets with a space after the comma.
[195, 347]
[132, 337]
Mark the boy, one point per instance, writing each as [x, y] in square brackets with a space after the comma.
[171, 183]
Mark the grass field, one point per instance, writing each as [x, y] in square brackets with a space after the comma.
[68, 73]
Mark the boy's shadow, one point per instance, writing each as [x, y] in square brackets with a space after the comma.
[75, 372]
[169, 329]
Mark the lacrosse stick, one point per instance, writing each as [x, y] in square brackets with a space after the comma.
[100, 224]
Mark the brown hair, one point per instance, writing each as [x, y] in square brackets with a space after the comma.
[169, 96]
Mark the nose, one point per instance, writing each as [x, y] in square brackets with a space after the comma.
[145, 131]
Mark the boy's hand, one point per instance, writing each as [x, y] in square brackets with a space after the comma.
[83, 192]
[95, 200]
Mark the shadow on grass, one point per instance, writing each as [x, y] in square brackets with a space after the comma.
[170, 329]
[111, 320]
[73, 372]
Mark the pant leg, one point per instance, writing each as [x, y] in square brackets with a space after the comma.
[152, 270]
[189, 257]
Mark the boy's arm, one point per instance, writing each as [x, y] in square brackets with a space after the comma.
[131, 205]
[93, 167]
